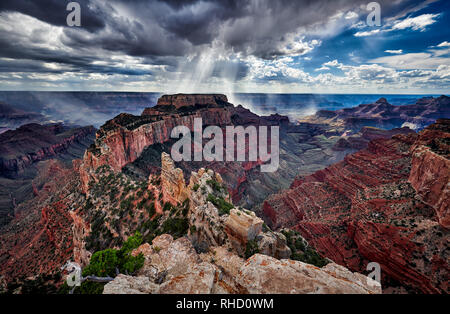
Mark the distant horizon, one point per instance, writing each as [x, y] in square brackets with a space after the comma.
[212, 93]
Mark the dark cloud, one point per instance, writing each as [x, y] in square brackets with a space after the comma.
[54, 11]
[165, 32]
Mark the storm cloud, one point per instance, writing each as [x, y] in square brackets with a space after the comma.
[168, 39]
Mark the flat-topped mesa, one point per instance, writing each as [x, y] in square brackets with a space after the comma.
[186, 100]
[187, 103]
[122, 140]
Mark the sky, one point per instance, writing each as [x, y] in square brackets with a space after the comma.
[229, 46]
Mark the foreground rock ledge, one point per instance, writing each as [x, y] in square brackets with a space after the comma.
[166, 271]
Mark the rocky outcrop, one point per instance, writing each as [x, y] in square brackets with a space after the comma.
[173, 186]
[273, 244]
[173, 267]
[242, 226]
[262, 274]
[213, 219]
[124, 284]
[382, 204]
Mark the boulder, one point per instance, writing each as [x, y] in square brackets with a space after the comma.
[242, 226]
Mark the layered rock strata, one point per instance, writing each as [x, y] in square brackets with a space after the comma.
[386, 204]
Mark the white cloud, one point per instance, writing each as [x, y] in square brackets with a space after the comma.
[296, 46]
[430, 59]
[444, 44]
[395, 52]
[416, 23]
[351, 15]
[367, 33]
[323, 68]
[333, 63]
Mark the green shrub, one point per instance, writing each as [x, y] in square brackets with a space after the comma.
[105, 263]
[102, 264]
[150, 209]
[215, 185]
[251, 249]
[223, 206]
[302, 252]
[177, 227]
[132, 243]
[167, 206]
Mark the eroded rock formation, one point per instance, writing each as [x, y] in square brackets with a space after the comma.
[173, 267]
[122, 140]
[386, 204]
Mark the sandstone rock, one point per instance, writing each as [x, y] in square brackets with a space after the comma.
[243, 226]
[207, 224]
[222, 271]
[122, 140]
[207, 227]
[199, 279]
[228, 265]
[167, 258]
[172, 182]
[228, 261]
[273, 244]
[123, 284]
[262, 274]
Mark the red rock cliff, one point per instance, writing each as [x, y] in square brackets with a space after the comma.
[121, 140]
[430, 169]
[364, 209]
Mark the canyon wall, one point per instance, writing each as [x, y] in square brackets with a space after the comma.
[430, 169]
[382, 114]
[32, 143]
[386, 204]
[120, 145]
